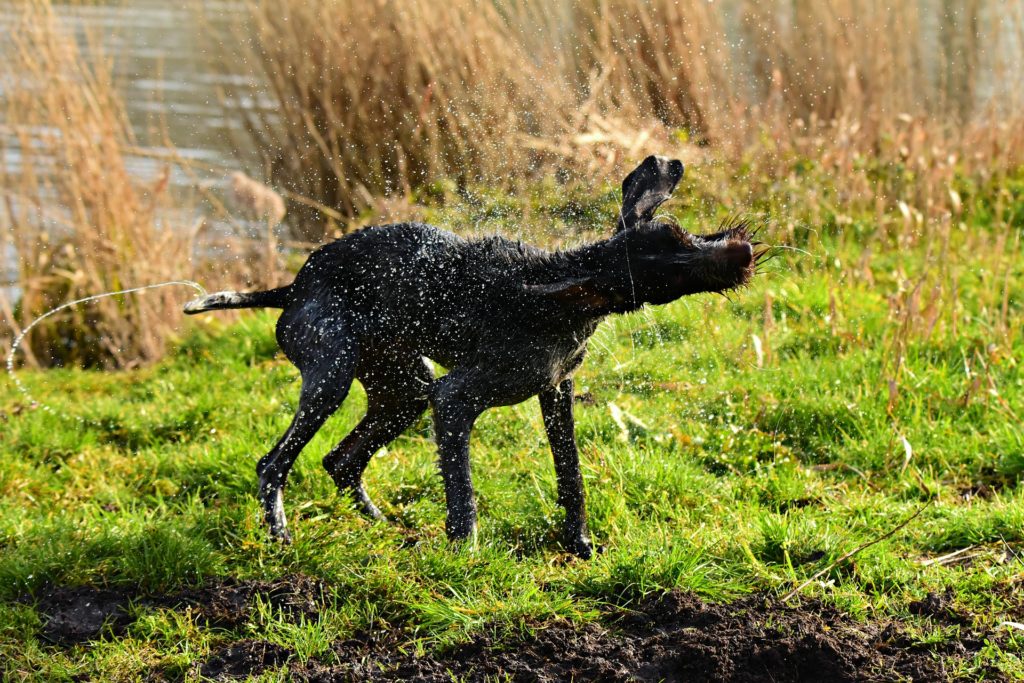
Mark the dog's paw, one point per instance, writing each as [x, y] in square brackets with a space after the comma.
[282, 536]
[364, 506]
[582, 548]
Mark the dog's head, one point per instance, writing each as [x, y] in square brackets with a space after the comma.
[653, 260]
[665, 261]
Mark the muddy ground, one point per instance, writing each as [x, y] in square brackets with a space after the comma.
[672, 637]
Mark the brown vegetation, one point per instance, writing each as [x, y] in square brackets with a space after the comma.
[373, 98]
[80, 222]
[376, 98]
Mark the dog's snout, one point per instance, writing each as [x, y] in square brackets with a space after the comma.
[739, 253]
[675, 169]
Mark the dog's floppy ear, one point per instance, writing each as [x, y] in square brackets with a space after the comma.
[646, 188]
[582, 293]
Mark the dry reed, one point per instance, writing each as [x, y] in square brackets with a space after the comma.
[661, 60]
[372, 98]
[379, 98]
[826, 110]
[80, 223]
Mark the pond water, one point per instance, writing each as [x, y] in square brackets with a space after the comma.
[167, 75]
[172, 88]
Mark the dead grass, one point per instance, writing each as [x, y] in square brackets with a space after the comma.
[374, 98]
[822, 114]
[662, 61]
[81, 223]
[381, 98]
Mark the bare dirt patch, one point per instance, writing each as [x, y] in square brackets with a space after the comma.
[673, 637]
[243, 658]
[74, 615]
[939, 607]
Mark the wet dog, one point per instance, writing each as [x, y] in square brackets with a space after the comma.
[509, 320]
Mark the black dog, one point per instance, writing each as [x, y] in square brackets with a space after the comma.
[510, 321]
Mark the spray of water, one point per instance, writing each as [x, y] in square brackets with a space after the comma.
[17, 341]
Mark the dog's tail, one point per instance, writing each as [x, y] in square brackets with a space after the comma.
[273, 298]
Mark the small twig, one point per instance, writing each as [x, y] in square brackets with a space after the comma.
[856, 550]
[945, 559]
[1010, 550]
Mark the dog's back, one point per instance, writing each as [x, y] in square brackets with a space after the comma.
[415, 286]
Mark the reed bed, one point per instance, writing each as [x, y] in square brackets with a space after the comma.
[374, 98]
[79, 221]
[382, 98]
[879, 124]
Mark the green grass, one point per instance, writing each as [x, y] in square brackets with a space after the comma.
[733, 471]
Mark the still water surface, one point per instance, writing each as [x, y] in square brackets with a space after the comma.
[172, 88]
[168, 76]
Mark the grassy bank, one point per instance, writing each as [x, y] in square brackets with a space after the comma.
[729, 447]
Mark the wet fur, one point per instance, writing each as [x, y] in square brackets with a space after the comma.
[510, 320]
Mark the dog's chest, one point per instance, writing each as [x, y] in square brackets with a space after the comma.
[567, 354]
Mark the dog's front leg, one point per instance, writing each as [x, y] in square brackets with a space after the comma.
[455, 410]
[556, 407]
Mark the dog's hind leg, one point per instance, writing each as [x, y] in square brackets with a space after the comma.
[325, 353]
[556, 407]
[396, 397]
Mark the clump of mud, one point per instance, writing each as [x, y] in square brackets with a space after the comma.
[74, 615]
[672, 637]
[245, 658]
